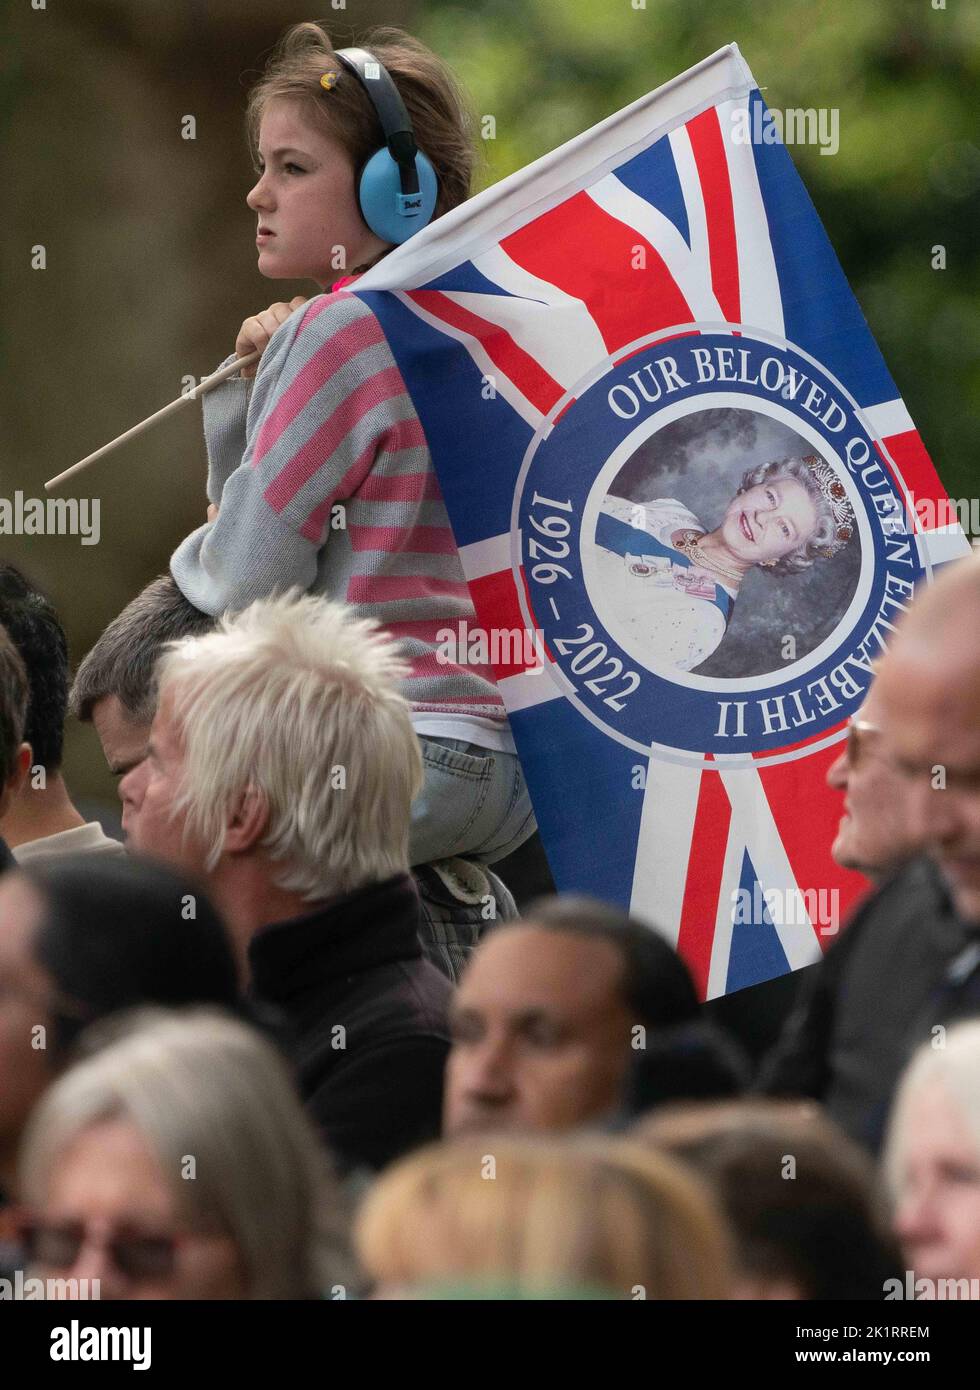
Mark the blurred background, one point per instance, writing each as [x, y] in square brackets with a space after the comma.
[149, 247]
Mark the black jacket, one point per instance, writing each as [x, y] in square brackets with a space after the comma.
[903, 965]
[367, 1015]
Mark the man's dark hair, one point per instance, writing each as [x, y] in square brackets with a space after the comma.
[695, 1061]
[35, 630]
[656, 985]
[123, 660]
[13, 706]
[115, 932]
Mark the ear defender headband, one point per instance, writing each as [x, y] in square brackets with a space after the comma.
[397, 186]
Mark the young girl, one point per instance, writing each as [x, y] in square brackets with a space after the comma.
[319, 474]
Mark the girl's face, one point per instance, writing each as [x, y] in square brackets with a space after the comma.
[309, 223]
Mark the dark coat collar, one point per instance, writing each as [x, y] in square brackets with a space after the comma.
[358, 931]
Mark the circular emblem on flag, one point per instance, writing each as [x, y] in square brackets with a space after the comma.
[713, 547]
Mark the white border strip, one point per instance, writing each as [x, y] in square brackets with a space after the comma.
[530, 688]
[889, 418]
[760, 299]
[753, 821]
[663, 845]
[488, 556]
[948, 543]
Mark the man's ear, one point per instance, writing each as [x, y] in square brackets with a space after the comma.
[15, 782]
[249, 822]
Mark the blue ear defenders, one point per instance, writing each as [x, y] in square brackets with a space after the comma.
[397, 186]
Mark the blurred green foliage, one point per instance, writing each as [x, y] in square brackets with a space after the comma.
[903, 76]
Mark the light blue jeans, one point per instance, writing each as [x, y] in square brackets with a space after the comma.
[474, 801]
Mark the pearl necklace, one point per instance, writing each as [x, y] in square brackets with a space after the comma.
[688, 543]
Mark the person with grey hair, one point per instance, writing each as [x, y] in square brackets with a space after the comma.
[281, 770]
[932, 1165]
[669, 584]
[175, 1162]
[115, 689]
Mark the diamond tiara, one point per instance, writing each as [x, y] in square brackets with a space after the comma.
[836, 497]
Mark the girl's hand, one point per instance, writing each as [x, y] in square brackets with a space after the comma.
[254, 334]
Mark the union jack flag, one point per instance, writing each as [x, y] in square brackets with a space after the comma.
[658, 221]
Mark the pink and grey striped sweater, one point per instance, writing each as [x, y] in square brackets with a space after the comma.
[328, 419]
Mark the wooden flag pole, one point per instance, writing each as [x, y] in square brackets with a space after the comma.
[200, 389]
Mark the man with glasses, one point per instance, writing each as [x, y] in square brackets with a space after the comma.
[908, 964]
[875, 835]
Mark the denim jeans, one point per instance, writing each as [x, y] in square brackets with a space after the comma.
[474, 802]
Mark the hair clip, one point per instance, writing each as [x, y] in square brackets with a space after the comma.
[328, 81]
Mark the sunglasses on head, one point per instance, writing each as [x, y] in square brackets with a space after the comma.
[135, 1253]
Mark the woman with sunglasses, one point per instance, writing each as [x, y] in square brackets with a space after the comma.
[83, 937]
[177, 1163]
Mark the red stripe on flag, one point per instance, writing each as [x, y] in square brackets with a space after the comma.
[807, 812]
[708, 145]
[589, 254]
[704, 869]
[518, 366]
[916, 467]
[497, 605]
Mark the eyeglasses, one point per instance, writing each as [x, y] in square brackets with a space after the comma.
[858, 732]
[137, 1254]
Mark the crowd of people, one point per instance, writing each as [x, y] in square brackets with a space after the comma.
[239, 1058]
[297, 1038]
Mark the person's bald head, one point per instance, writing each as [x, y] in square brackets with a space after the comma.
[929, 693]
[935, 615]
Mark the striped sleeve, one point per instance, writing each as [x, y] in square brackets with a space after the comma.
[323, 388]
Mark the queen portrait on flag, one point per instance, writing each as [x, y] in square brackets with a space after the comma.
[669, 585]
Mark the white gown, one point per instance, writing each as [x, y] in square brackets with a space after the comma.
[661, 608]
